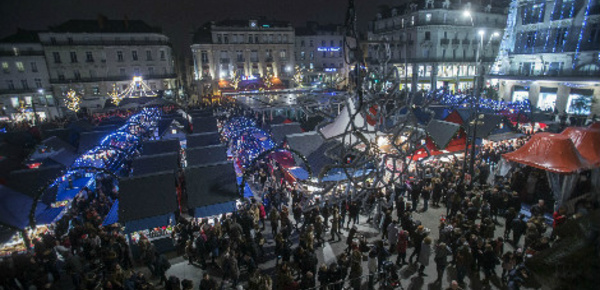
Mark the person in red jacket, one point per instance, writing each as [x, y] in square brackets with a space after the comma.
[559, 217]
[401, 246]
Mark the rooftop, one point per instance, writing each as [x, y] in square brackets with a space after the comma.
[104, 25]
[22, 36]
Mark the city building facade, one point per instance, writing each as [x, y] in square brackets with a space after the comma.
[436, 44]
[98, 57]
[244, 49]
[319, 55]
[25, 87]
[551, 55]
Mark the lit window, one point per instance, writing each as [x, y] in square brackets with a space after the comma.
[428, 17]
[20, 66]
[5, 66]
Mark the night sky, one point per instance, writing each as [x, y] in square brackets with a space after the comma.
[178, 18]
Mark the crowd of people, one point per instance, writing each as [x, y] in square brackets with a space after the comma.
[230, 249]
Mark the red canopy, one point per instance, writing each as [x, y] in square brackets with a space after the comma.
[284, 158]
[587, 142]
[550, 152]
[454, 117]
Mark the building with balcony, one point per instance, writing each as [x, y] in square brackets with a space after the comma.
[248, 49]
[435, 44]
[319, 54]
[93, 57]
[551, 55]
[24, 81]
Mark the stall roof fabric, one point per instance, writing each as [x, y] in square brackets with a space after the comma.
[215, 209]
[318, 158]
[29, 181]
[550, 152]
[202, 139]
[204, 124]
[211, 184]
[159, 147]
[486, 125]
[57, 144]
[305, 143]
[147, 196]
[113, 214]
[279, 131]
[587, 142]
[155, 163]
[89, 140]
[206, 155]
[64, 157]
[441, 132]
[15, 208]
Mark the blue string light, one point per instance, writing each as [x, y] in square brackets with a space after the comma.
[582, 31]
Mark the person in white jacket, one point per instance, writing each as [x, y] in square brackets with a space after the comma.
[424, 255]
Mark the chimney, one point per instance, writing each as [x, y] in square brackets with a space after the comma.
[101, 21]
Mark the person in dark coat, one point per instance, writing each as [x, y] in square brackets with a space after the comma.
[518, 227]
[207, 282]
[442, 251]
[489, 261]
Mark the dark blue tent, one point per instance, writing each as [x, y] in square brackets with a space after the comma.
[155, 163]
[15, 208]
[160, 147]
[210, 185]
[202, 139]
[206, 155]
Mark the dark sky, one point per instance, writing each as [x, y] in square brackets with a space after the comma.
[178, 18]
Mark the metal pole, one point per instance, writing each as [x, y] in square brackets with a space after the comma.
[478, 80]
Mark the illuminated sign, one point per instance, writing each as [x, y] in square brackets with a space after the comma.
[329, 48]
[330, 69]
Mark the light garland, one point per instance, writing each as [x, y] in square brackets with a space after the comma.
[464, 101]
[582, 31]
[72, 101]
[136, 89]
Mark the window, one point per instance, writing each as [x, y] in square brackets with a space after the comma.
[428, 17]
[148, 55]
[283, 53]
[34, 66]
[219, 38]
[331, 43]
[24, 84]
[204, 56]
[38, 83]
[427, 35]
[250, 38]
[579, 104]
[312, 55]
[10, 85]
[122, 72]
[89, 57]
[77, 74]
[20, 67]
[70, 40]
[53, 40]
[310, 43]
[324, 54]
[56, 57]
[5, 67]
[226, 38]
[302, 43]
[285, 38]
[96, 90]
[323, 43]
[254, 55]
[278, 38]
[302, 55]
[268, 53]
[151, 70]
[311, 66]
[92, 73]
[61, 75]
[412, 20]
[73, 56]
[162, 55]
[134, 56]
[119, 56]
[240, 55]
[270, 38]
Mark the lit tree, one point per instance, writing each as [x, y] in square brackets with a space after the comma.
[115, 96]
[72, 100]
[235, 80]
[268, 78]
[299, 76]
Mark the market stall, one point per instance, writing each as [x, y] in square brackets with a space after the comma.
[202, 139]
[557, 155]
[159, 147]
[211, 189]
[206, 155]
[204, 124]
[279, 131]
[146, 207]
[155, 163]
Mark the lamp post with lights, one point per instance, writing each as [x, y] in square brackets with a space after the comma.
[477, 85]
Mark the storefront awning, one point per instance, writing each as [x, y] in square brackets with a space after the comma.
[298, 173]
